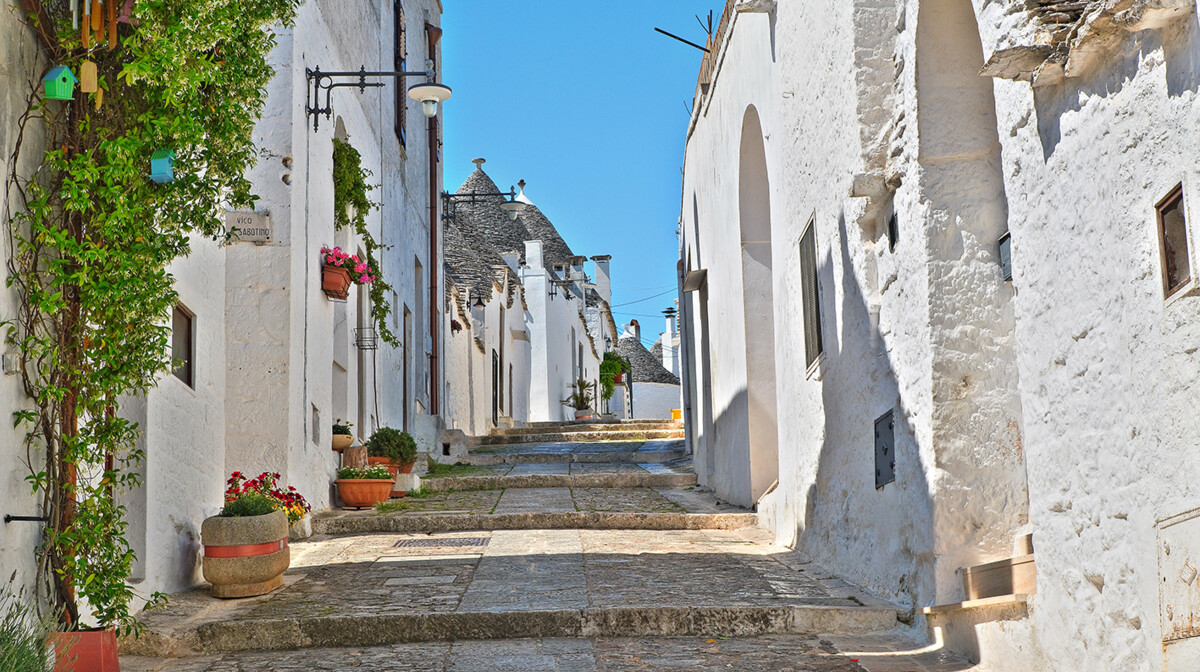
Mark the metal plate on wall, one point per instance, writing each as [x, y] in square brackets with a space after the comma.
[885, 450]
[1178, 569]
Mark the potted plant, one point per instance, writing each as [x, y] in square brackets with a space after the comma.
[246, 544]
[393, 448]
[581, 398]
[340, 270]
[342, 437]
[364, 487]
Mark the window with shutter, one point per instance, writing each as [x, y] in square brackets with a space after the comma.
[399, 62]
[810, 295]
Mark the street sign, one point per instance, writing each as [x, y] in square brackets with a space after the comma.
[249, 227]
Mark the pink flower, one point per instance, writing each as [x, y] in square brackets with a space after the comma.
[329, 259]
[363, 279]
[360, 267]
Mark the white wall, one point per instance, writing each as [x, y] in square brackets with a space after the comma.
[550, 322]
[654, 400]
[924, 331]
[1108, 368]
[20, 64]
[1078, 373]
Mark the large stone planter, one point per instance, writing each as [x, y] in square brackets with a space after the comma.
[364, 492]
[342, 442]
[245, 556]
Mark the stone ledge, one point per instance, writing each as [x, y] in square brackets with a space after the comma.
[560, 481]
[379, 630]
[998, 601]
[360, 524]
[633, 457]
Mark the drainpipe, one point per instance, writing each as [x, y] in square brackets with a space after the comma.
[433, 34]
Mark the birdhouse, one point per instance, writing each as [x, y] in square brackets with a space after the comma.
[162, 166]
[60, 83]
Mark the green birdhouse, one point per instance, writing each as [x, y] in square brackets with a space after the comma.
[60, 83]
[162, 166]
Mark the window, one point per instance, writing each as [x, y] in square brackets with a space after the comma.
[182, 345]
[1006, 256]
[810, 294]
[398, 61]
[1173, 242]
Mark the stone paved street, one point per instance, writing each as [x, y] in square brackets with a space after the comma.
[692, 592]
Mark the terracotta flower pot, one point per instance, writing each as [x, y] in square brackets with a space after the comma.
[394, 469]
[363, 492]
[245, 556]
[335, 282]
[584, 415]
[85, 651]
[342, 442]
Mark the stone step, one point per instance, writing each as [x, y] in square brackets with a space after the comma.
[571, 427]
[611, 480]
[484, 459]
[383, 589]
[368, 630]
[346, 523]
[577, 437]
[814, 652]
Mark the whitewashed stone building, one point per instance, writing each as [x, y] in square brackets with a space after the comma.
[654, 391]
[530, 320]
[866, 373]
[271, 361]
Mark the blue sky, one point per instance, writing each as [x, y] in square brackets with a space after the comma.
[585, 102]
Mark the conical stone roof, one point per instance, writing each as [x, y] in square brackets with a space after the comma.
[646, 369]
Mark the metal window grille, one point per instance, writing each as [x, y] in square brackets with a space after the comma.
[366, 339]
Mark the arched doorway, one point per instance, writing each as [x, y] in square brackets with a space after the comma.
[754, 209]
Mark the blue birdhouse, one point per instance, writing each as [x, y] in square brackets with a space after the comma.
[162, 166]
[60, 83]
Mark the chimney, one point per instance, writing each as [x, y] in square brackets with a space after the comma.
[603, 283]
[635, 329]
[533, 253]
[511, 258]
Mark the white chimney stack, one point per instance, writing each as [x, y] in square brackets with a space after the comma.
[603, 281]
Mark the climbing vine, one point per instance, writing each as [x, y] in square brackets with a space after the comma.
[610, 366]
[350, 188]
[91, 238]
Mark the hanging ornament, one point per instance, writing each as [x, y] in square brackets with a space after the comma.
[99, 98]
[111, 5]
[88, 80]
[60, 83]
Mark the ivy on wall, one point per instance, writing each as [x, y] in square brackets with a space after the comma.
[350, 188]
[90, 239]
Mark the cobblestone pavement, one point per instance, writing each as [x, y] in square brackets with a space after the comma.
[542, 570]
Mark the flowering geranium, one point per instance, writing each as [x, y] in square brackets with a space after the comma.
[360, 271]
[289, 501]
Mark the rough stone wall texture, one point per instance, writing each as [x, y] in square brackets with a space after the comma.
[923, 330]
[1058, 404]
[1108, 368]
[21, 67]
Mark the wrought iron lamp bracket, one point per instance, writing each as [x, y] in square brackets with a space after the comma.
[319, 80]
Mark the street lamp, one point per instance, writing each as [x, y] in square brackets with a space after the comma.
[429, 93]
[512, 207]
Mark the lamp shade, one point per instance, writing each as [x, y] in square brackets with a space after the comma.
[429, 91]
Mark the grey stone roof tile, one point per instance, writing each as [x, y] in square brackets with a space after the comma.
[646, 369]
